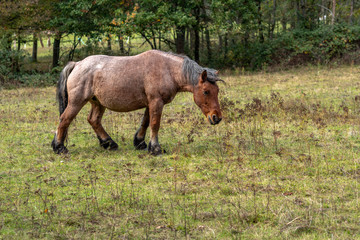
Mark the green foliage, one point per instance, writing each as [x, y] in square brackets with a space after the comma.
[154, 19]
[10, 60]
[83, 17]
[38, 79]
[299, 46]
[247, 34]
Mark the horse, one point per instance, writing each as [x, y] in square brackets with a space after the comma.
[127, 83]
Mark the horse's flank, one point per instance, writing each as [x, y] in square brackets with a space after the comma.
[151, 74]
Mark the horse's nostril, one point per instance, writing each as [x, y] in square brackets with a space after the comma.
[210, 120]
[215, 118]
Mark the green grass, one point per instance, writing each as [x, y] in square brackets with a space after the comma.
[283, 164]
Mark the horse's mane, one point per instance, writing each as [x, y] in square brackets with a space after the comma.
[192, 70]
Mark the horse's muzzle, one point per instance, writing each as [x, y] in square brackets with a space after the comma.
[214, 119]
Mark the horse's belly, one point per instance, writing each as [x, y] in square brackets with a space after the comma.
[125, 108]
[122, 104]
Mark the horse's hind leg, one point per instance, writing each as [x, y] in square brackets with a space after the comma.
[65, 119]
[94, 118]
[139, 138]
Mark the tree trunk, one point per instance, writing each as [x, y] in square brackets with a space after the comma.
[180, 40]
[197, 45]
[154, 39]
[283, 24]
[109, 42]
[159, 40]
[41, 41]
[8, 41]
[19, 42]
[35, 48]
[351, 11]
[76, 41]
[273, 22]
[225, 46]
[208, 45]
[322, 12]
[260, 28]
[191, 41]
[49, 41]
[56, 50]
[188, 39]
[129, 46]
[220, 41]
[293, 17]
[15, 61]
[121, 45]
[333, 12]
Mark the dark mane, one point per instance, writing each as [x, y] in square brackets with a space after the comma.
[191, 70]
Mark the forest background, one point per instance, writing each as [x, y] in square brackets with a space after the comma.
[232, 34]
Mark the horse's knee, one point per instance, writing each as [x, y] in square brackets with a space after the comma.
[90, 120]
[95, 123]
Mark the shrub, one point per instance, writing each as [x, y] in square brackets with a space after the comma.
[10, 60]
[298, 46]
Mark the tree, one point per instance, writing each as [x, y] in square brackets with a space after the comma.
[333, 12]
[80, 18]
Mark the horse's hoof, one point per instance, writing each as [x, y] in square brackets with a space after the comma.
[139, 144]
[59, 148]
[113, 146]
[108, 144]
[155, 150]
[62, 150]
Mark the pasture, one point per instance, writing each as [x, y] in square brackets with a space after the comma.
[283, 164]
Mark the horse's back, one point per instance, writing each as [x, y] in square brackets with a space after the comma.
[123, 83]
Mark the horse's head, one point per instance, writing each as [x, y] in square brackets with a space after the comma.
[206, 97]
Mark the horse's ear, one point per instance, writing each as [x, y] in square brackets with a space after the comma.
[217, 72]
[203, 76]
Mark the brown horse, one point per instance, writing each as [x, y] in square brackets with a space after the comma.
[149, 80]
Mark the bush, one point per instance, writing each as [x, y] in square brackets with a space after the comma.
[327, 42]
[10, 60]
[299, 46]
[38, 79]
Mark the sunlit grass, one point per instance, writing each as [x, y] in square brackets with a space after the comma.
[284, 163]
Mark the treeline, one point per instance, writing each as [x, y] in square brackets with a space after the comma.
[221, 33]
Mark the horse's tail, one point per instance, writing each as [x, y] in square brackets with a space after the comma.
[61, 92]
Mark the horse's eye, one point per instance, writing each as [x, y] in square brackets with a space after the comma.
[206, 92]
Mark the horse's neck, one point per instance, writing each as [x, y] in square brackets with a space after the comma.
[184, 83]
[187, 88]
[178, 77]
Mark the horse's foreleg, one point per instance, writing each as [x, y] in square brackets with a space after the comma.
[139, 138]
[65, 119]
[155, 111]
[94, 118]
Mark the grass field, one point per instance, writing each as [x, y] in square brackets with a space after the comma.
[283, 164]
